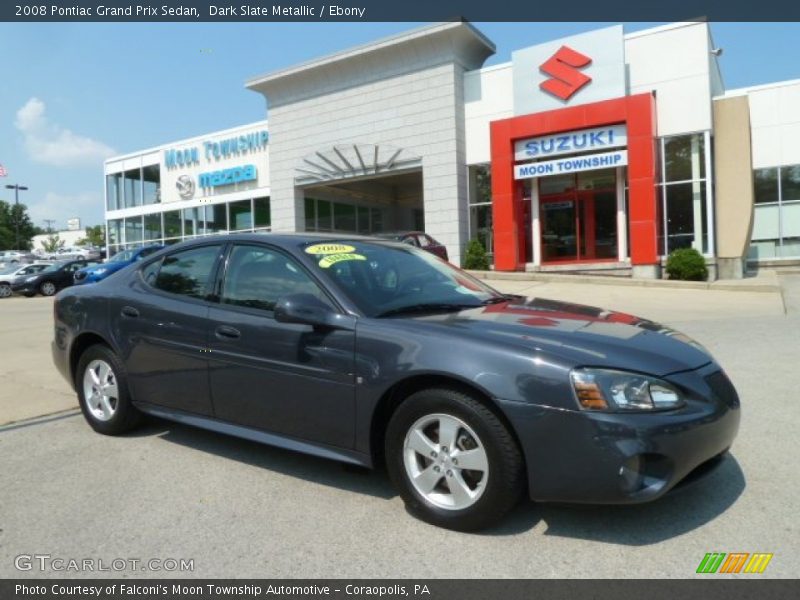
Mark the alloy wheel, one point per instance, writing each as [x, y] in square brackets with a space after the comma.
[100, 390]
[446, 461]
[5, 290]
[48, 288]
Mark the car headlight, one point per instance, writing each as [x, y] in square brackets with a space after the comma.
[99, 271]
[609, 390]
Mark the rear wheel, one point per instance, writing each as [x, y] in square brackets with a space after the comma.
[103, 392]
[453, 460]
[5, 290]
[47, 288]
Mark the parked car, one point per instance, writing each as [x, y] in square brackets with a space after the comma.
[120, 260]
[10, 275]
[49, 280]
[10, 258]
[370, 351]
[419, 240]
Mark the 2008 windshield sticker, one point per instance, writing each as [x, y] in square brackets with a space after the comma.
[329, 249]
[332, 259]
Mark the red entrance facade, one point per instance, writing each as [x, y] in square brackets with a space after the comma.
[638, 113]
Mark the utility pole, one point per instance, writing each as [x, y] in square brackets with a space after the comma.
[49, 223]
[16, 187]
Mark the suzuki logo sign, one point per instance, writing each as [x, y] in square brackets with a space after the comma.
[564, 71]
[579, 69]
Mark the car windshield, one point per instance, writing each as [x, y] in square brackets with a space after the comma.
[386, 278]
[123, 256]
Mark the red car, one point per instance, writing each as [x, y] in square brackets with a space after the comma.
[418, 239]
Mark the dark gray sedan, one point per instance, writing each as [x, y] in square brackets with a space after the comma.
[373, 352]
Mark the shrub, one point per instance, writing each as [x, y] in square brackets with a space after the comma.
[476, 257]
[686, 264]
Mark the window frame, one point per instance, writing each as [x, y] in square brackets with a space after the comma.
[210, 284]
[222, 271]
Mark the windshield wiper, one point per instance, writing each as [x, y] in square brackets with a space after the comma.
[425, 307]
[501, 298]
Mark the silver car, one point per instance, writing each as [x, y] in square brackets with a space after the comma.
[11, 273]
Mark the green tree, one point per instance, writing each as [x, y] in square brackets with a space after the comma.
[52, 243]
[95, 236]
[10, 216]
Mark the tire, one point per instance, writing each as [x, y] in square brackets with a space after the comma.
[458, 498]
[104, 413]
[47, 288]
[5, 290]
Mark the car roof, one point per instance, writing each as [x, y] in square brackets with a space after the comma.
[285, 240]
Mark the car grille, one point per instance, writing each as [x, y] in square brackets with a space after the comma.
[722, 388]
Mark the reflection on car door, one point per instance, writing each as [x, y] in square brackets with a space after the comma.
[161, 325]
[283, 378]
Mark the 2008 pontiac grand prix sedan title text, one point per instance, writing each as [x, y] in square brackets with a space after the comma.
[370, 352]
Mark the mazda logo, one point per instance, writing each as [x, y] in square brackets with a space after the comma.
[185, 185]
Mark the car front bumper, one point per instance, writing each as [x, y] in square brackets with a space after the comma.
[602, 457]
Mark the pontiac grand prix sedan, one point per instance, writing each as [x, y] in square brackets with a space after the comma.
[374, 352]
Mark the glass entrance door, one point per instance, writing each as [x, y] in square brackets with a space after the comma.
[578, 222]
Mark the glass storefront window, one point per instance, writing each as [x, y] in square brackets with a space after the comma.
[114, 229]
[152, 227]
[776, 220]
[113, 191]
[311, 214]
[376, 220]
[765, 183]
[344, 217]
[172, 224]
[687, 224]
[216, 218]
[790, 183]
[480, 209]
[262, 214]
[151, 184]
[363, 219]
[556, 184]
[193, 221]
[241, 215]
[133, 230]
[684, 157]
[324, 216]
[132, 188]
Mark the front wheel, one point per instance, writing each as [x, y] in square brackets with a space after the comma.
[47, 288]
[453, 460]
[103, 392]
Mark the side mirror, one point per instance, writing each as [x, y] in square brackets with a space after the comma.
[306, 309]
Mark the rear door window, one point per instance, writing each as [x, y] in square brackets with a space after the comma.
[187, 273]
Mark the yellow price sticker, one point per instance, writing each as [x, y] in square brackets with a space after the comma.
[332, 259]
[329, 249]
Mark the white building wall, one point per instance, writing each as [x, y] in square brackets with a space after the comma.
[487, 97]
[673, 61]
[418, 112]
[775, 124]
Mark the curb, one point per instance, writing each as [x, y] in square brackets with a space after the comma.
[721, 285]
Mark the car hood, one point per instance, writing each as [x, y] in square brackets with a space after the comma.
[580, 335]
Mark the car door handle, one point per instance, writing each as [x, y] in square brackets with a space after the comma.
[230, 333]
[129, 311]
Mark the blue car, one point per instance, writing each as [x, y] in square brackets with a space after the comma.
[120, 260]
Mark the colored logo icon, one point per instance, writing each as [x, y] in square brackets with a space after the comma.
[185, 186]
[734, 562]
[563, 68]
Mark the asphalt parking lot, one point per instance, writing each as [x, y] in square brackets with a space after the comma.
[239, 509]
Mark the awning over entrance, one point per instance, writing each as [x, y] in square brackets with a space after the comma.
[350, 161]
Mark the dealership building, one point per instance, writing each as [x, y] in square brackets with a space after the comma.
[600, 152]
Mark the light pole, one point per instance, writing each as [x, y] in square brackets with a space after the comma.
[16, 187]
